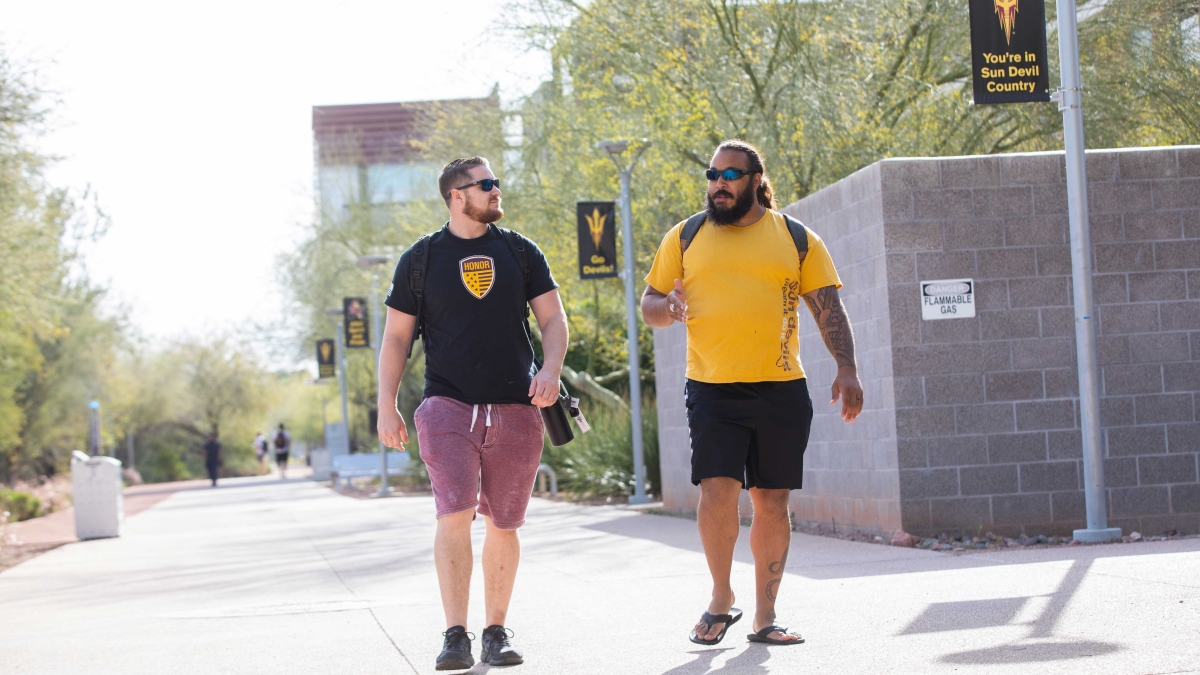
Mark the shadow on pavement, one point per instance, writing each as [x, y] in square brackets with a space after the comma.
[1037, 647]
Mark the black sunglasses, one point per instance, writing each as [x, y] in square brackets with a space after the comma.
[487, 184]
[727, 174]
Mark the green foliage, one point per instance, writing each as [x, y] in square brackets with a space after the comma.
[55, 344]
[20, 505]
[1141, 73]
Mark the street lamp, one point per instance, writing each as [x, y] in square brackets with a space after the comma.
[614, 149]
[335, 313]
[372, 263]
[1070, 102]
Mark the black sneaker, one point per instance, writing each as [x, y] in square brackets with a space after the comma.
[456, 650]
[497, 650]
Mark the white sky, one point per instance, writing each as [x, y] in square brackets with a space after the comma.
[192, 122]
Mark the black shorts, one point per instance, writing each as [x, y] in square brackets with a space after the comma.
[754, 432]
[281, 458]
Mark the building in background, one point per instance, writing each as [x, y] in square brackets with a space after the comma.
[374, 154]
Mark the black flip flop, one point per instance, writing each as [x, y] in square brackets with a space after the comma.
[761, 636]
[709, 619]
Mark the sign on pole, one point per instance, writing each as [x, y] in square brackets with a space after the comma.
[325, 359]
[947, 299]
[354, 318]
[597, 239]
[1008, 51]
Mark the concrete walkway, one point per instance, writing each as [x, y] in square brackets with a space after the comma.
[266, 577]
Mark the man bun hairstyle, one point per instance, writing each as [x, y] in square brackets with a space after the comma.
[457, 173]
[765, 193]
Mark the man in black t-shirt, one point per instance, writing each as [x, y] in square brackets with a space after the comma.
[479, 427]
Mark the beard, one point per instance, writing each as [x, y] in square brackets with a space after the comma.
[731, 214]
[485, 215]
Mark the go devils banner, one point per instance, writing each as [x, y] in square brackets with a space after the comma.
[597, 239]
[325, 356]
[354, 318]
[1008, 51]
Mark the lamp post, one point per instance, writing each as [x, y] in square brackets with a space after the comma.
[335, 313]
[1070, 102]
[614, 150]
[372, 263]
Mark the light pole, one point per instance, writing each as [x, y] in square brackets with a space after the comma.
[1070, 102]
[94, 446]
[614, 149]
[372, 263]
[335, 313]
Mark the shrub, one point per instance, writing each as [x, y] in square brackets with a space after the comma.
[21, 505]
[600, 462]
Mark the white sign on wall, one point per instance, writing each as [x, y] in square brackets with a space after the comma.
[947, 299]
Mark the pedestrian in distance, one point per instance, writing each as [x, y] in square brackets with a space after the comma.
[283, 446]
[260, 450]
[467, 288]
[212, 457]
[735, 275]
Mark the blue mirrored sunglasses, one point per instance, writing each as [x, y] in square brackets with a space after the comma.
[727, 174]
[487, 184]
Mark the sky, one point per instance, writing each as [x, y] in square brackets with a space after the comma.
[192, 124]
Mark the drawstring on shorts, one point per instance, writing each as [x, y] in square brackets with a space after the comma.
[475, 415]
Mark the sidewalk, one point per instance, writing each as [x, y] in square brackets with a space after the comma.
[268, 576]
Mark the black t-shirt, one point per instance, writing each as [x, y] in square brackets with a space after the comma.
[476, 348]
[212, 452]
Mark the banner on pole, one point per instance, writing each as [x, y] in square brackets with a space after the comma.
[325, 359]
[1008, 51]
[597, 229]
[354, 318]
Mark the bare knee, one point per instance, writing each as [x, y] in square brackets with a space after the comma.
[494, 530]
[454, 522]
[720, 489]
[770, 503]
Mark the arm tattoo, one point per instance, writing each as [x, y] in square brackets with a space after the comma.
[830, 314]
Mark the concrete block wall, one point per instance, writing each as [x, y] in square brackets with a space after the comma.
[850, 471]
[986, 408]
[973, 423]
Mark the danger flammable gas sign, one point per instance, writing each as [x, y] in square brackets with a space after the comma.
[947, 299]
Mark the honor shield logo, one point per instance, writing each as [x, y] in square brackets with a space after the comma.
[1006, 11]
[478, 273]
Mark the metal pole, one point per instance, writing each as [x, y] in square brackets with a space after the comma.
[1070, 102]
[375, 329]
[631, 327]
[342, 381]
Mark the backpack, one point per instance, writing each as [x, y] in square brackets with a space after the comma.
[796, 228]
[280, 441]
[420, 263]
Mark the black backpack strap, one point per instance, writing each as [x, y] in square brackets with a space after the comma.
[418, 265]
[690, 227]
[799, 235]
[516, 244]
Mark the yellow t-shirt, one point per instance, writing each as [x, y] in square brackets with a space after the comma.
[743, 287]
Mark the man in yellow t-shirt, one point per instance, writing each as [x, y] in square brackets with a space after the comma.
[736, 282]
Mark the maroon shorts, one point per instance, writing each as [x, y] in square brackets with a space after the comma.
[480, 455]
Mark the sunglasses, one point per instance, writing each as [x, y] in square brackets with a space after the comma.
[727, 174]
[487, 184]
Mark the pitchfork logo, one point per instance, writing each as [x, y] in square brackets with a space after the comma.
[478, 272]
[1006, 10]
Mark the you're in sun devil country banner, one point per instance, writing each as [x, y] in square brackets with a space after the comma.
[1008, 51]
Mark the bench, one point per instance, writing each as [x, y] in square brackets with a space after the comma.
[367, 464]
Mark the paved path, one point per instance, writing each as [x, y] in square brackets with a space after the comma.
[262, 576]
